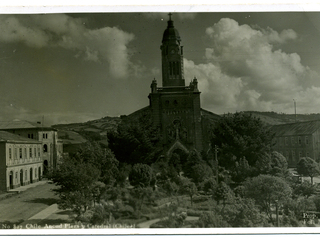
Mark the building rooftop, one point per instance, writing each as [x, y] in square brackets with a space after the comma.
[21, 125]
[298, 128]
[10, 137]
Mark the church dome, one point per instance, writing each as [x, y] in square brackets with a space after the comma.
[171, 33]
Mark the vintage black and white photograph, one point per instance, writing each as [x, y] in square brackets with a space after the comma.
[163, 120]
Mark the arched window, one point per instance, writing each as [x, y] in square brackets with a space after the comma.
[45, 148]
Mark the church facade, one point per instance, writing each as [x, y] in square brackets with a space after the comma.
[175, 108]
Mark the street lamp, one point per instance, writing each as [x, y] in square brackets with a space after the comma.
[216, 158]
[277, 214]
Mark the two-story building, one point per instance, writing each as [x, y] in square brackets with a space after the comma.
[20, 161]
[48, 136]
[297, 140]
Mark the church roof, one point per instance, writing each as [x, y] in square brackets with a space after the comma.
[297, 128]
[171, 33]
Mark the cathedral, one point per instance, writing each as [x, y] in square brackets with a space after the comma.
[175, 108]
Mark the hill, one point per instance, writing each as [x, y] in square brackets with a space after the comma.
[76, 133]
[273, 118]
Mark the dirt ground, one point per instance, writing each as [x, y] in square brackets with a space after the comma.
[24, 205]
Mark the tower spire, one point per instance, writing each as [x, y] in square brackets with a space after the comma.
[172, 57]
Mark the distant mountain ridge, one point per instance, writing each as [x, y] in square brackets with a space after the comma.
[76, 133]
[273, 118]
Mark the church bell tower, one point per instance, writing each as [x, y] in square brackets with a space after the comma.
[175, 107]
[172, 57]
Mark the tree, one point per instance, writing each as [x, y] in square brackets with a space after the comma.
[77, 183]
[241, 135]
[102, 158]
[308, 167]
[140, 175]
[223, 193]
[211, 220]
[267, 191]
[273, 164]
[240, 212]
[243, 212]
[140, 138]
[304, 189]
[188, 187]
[209, 184]
[242, 170]
[171, 188]
[196, 169]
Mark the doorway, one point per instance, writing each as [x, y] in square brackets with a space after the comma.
[45, 167]
[21, 177]
[31, 176]
[11, 180]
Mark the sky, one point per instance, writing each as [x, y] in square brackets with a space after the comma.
[83, 66]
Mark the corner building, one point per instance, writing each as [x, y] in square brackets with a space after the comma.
[48, 136]
[20, 161]
[175, 107]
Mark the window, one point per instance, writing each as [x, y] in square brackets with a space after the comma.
[38, 152]
[25, 153]
[30, 152]
[174, 68]
[20, 152]
[15, 153]
[45, 148]
[299, 140]
[35, 152]
[26, 175]
[307, 140]
[10, 153]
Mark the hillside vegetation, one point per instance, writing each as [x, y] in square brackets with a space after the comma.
[76, 133]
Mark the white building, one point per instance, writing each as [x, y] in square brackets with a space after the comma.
[20, 161]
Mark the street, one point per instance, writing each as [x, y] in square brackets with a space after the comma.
[24, 205]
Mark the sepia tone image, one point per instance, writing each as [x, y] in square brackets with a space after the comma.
[159, 120]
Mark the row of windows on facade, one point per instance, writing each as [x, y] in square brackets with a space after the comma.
[293, 140]
[44, 135]
[25, 155]
[293, 154]
[26, 174]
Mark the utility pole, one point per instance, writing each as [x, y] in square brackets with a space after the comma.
[216, 158]
[295, 110]
[277, 214]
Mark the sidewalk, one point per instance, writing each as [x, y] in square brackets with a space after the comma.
[12, 192]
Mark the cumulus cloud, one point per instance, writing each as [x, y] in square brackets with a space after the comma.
[12, 30]
[244, 71]
[108, 44]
